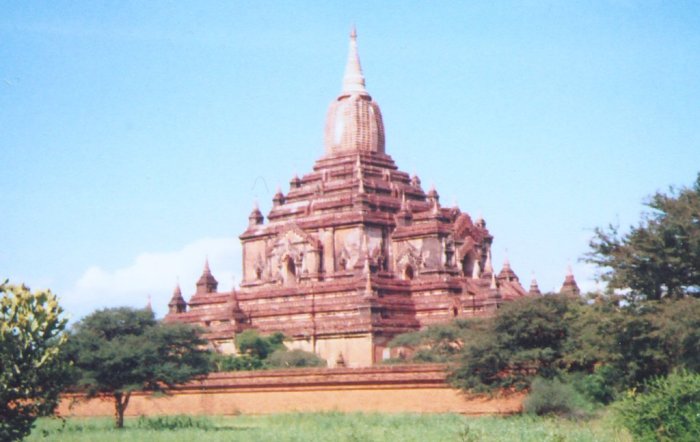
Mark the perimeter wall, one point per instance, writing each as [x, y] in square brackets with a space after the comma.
[394, 388]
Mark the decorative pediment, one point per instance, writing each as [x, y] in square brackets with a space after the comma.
[293, 234]
[292, 253]
[409, 255]
[293, 237]
[463, 225]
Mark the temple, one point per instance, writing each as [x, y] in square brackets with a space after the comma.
[354, 253]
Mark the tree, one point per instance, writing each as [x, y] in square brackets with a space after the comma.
[437, 343]
[607, 346]
[679, 325]
[250, 342]
[259, 352]
[121, 350]
[602, 347]
[528, 337]
[668, 410]
[661, 256]
[32, 372]
[284, 358]
[226, 362]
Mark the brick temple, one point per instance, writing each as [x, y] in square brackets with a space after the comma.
[355, 253]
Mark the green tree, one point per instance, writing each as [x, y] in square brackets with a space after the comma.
[602, 347]
[222, 362]
[284, 358]
[660, 257]
[122, 350]
[679, 325]
[667, 410]
[32, 372]
[528, 337]
[438, 343]
[251, 342]
[635, 350]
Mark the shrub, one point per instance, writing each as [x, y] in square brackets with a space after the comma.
[235, 363]
[551, 397]
[173, 423]
[597, 387]
[251, 342]
[32, 367]
[294, 358]
[526, 338]
[669, 409]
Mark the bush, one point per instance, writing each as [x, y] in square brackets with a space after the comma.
[552, 397]
[33, 369]
[597, 387]
[669, 409]
[251, 342]
[294, 358]
[235, 363]
[526, 338]
[170, 423]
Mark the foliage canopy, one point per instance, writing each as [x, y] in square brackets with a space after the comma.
[607, 345]
[256, 352]
[32, 373]
[660, 257]
[121, 350]
[250, 342]
[668, 410]
[284, 358]
[527, 337]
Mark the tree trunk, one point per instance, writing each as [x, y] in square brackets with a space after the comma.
[118, 411]
[121, 400]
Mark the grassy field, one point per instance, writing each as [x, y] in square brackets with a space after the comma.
[334, 427]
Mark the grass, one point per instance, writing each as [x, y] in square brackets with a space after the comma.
[336, 427]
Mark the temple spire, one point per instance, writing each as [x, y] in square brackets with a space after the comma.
[177, 304]
[534, 287]
[506, 261]
[353, 80]
[206, 283]
[569, 287]
[354, 122]
[255, 217]
[507, 272]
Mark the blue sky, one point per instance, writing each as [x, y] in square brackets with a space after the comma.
[135, 136]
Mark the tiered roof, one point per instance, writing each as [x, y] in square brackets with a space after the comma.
[312, 270]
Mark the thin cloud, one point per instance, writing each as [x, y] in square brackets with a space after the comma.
[154, 274]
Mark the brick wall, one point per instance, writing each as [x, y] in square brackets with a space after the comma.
[401, 388]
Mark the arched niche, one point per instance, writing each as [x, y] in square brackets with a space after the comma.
[289, 271]
[468, 262]
[408, 273]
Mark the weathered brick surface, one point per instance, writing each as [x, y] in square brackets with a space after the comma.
[412, 388]
[356, 247]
